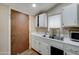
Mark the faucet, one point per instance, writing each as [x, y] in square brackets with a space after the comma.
[45, 33]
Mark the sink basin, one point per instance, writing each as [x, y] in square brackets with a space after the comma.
[54, 37]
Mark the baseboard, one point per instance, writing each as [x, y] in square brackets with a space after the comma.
[4, 53]
[36, 51]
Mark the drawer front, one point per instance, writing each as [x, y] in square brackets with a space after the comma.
[44, 48]
[57, 44]
[68, 53]
[71, 48]
[45, 51]
[35, 44]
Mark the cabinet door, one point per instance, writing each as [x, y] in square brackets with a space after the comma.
[42, 20]
[45, 20]
[35, 44]
[37, 21]
[44, 48]
[70, 15]
[71, 48]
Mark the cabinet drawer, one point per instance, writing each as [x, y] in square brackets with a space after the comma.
[57, 44]
[71, 48]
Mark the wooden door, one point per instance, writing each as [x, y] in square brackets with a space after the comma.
[19, 32]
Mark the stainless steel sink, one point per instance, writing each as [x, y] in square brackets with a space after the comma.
[54, 37]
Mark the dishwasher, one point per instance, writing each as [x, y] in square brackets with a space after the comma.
[56, 51]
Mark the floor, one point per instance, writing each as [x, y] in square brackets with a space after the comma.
[30, 52]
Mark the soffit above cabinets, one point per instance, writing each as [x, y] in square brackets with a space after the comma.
[27, 7]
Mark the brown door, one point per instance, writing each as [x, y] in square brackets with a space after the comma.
[19, 32]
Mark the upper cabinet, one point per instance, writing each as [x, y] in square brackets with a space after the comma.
[70, 16]
[54, 21]
[41, 20]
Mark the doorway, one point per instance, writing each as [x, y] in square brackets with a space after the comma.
[19, 32]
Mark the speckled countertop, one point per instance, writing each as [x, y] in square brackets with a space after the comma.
[66, 40]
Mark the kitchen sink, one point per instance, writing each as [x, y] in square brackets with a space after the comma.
[54, 37]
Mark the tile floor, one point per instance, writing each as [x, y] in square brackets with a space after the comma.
[30, 52]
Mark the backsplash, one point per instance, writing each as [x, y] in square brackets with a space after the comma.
[54, 31]
[66, 31]
[60, 32]
[41, 29]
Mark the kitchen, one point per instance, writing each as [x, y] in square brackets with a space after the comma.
[62, 35]
[53, 31]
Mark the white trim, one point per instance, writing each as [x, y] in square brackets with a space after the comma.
[9, 30]
[4, 53]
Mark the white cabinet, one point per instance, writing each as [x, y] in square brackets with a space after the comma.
[71, 48]
[35, 44]
[41, 47]
[44, 48]
[56, 44]
[71, 16]
[37, 21]
[54, 21]
[41, 20]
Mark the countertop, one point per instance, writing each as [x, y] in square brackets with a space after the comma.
[65, 41]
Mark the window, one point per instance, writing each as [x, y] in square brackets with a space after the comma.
[54, 21]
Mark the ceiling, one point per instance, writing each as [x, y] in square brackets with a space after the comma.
[28, 9]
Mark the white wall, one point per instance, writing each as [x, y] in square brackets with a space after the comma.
[31, 27]
[4, 29]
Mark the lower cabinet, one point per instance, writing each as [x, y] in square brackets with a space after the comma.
[68, 53]
[44, 48]
[35, 44]
[74, 50]
[41, 47]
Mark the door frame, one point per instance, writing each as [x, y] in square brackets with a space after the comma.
[10, 28]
